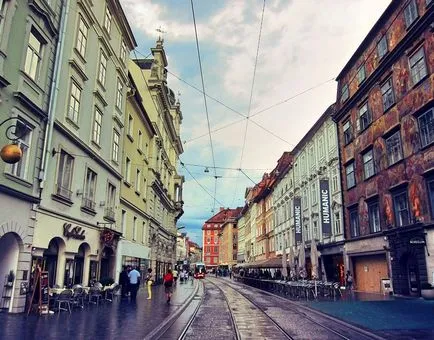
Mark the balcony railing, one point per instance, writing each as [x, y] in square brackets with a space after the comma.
[88, 203]
[64, 192]
[109, 213]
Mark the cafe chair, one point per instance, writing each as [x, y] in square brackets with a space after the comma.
[94, 295]
[78, 297]
[65, 299]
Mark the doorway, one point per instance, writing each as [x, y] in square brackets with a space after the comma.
[410, 267]
[107, 259]
[10, 250]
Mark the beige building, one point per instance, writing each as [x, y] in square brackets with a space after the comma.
[229, 239]
[163, 184]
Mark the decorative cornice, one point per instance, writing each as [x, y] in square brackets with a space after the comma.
[18, 194]
[46, 14]
[27, 102]
[78, 68]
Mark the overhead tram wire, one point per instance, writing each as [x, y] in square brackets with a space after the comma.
[204, 99]
[251, 97]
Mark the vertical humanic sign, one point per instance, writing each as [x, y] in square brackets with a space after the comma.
[297, 220]
[325, 206]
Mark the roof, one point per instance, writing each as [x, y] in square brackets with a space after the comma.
[225, 214]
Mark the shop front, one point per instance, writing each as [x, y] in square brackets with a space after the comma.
[368, 262]
[67, 250]
[408, 254]
[134, 255]
[16, 230]
[332, 262]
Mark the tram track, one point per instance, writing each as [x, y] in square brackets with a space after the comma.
[341, 329]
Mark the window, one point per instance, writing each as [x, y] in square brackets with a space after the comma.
[348, 132]
[313, 193]
[354, 222]
[138, 180]
[400, 205]
[351, 178]
[89, 190]
[361, 74]
[102, 68]
[111, 195]
[81, 37]
[315, 230]
[123, 221]
[321, 146]
[64, 175]
[382, 47]
[430, 183]
[144, 232]
[123, 53]
[338, 223]
[344, 93]
[34, 55]
[74, 102]
[115, 149]
[20, 169]
[134, 228]
[418, 66]
[426, 127]
[3, 13]
[368, 164]
[374, 217]
[387, 93]
[130, 126]
[107, 20]
[97, 122]
[335, 184]
[331, 136]
[394, 149]
[364, 117]
[312, 156]
[128, 170]
[140, 141]
[410, 13]
[119, 95]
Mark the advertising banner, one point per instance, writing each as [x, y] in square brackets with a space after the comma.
[325, 206]
[297, 220]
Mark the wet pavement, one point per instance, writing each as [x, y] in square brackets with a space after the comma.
[121, 319]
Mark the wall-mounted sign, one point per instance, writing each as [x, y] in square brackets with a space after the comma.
[325, 206]
[417, 241]
[73, 232]
[297, 220]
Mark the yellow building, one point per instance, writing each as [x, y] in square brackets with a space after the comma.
[163, 183]
[229, 239]
[139, 133]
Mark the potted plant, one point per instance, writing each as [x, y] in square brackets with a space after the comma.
[427, 291]
[11, 278]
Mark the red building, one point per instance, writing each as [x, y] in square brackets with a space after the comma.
[210, 235]
[385, 117]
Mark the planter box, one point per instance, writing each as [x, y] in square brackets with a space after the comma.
[427, 294]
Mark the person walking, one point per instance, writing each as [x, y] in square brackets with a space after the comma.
[134, 277]
[175, 276]
[149, 283]
[349, 281]
[168, 284]
[123, 281]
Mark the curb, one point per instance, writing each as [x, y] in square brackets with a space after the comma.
[167, 322]
[327, 316]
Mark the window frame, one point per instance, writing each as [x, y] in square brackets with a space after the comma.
[34, 71]
[90, 194]
[60, 178]
[361, 74]
[412, 65]
[365, 163]
[398, 218]
[408, 11]
[353, 215]
[108, 17]
[119, 95]
[387, 94]
[388, 148]
[81, 36]
[116, 145]
[348, 132]
[97, 126]
[374, 207]
[352, 173]
[382, 42]
[102, 70]
[421, 134]
[366, 113]
[74, 101]
[345, 93]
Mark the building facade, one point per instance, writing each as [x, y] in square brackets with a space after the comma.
[312, 187]
[228, 239]
[386, 131]
[77, 226]
[134, 247]
[29, 32]
[163, 184]
[182, 249]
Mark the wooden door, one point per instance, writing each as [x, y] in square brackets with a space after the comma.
[369, 270]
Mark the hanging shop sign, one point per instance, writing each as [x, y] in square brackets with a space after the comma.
[417, 241]
[297, 220]
[73, 232]
[325, 206]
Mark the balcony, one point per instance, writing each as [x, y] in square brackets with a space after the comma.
[109, 214]
[62, 195]
[88, 206]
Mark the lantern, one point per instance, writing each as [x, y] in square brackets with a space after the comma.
[11, 153]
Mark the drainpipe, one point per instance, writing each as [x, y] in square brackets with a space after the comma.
[53, 96]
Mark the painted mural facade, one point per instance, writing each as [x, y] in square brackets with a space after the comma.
[386, 129]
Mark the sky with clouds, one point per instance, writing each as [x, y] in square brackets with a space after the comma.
[304, 45]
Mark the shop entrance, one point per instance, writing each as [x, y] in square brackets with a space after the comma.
[10, 250]
[409, 265]
[79, 260]
[107, 260]
[49, 261]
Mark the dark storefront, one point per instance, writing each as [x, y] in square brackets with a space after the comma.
[332, 262]
[408, 251]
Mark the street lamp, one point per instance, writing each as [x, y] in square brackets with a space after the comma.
[11, 153]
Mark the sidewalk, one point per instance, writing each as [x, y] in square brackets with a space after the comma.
[121, 319]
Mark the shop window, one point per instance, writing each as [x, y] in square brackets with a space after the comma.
[354, 222]
[400, 205]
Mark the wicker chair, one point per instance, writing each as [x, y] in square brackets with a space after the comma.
[64, 298]
[94, 294]
[78, 297]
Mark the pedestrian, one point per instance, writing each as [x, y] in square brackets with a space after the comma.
[230, 274]
[168, 280]
[149, 282]
[349, 281]
[175, 276]
[134, 277]
[123, 281]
